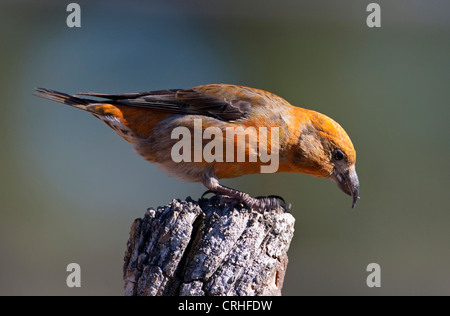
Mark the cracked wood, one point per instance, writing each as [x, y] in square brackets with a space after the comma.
[198, 248]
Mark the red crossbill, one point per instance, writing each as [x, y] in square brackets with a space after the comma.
[306, 141]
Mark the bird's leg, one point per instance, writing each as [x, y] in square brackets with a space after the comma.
[228, 195]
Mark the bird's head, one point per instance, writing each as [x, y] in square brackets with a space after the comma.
[325, 150]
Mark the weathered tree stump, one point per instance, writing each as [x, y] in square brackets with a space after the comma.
[199, 248]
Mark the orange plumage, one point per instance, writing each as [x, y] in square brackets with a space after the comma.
[305, 141]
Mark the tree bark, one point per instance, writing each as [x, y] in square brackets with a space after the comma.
[195, 248]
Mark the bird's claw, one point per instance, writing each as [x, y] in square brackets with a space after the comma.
[207, 192]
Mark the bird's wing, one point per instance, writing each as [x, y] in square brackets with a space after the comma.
[183, 101]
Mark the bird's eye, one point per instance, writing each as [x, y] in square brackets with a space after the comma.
[338, 155]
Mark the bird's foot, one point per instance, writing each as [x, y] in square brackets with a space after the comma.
[260, 203]
[271, 202]
[220, 199]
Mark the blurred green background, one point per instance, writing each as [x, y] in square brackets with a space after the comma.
[70, 188]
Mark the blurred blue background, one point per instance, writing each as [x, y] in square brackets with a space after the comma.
[70, 188]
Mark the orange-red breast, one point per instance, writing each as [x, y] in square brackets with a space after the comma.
[307, 142]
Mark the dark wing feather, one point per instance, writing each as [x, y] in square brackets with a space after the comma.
[179, 101]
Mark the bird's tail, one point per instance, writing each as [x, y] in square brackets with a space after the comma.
[80, 103]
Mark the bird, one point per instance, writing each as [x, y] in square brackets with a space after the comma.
[302, 140]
